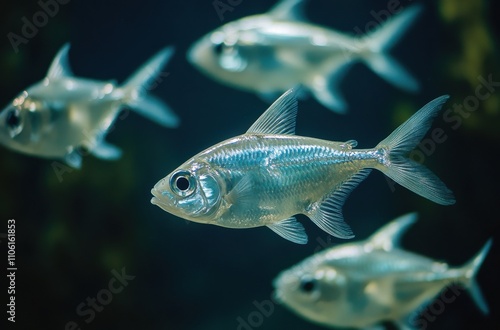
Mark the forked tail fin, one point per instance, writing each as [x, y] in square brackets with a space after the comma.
[382, 40]
[470, 270]
[410, 174]
[137, 87]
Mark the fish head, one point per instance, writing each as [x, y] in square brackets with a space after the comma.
[314, 291]
[192, 192]
[233, 53]
[20, 122]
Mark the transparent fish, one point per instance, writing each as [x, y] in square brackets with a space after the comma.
[267, 175]
[272, 52]
[358, 285]
[62, 113]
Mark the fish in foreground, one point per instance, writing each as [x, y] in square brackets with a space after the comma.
[267, 175]
[361, 284]
[272, 52]
[57, 116]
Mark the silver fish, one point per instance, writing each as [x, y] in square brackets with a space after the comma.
[268, 174]
[272, 52]
[358, 285]
[62, 113]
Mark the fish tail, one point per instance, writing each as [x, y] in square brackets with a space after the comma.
[470, 270]
[142, 81]
[380, 42]
[395, 163]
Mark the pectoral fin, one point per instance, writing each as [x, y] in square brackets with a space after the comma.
[291, 230]
[242, 192]
[328, 214]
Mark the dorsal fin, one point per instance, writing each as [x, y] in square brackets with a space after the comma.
[60, 64]
[288, 10]
[279, 118]
[388, 237]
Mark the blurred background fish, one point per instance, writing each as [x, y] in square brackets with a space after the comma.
[72, 233]
[358, 285]
[272, 52]
[61, 114]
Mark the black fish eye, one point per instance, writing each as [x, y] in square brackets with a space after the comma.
[308, 285]
[13, 120]
[182, 183]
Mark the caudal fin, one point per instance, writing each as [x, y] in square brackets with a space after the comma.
[405, 171]
[470, 270]
[382, 40]
[146, 78]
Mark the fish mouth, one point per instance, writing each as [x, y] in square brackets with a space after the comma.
[166, 203]
[157, 199]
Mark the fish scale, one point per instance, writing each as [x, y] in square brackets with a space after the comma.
[291, 163]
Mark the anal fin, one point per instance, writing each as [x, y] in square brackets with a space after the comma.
[327, 215]
[291, 230]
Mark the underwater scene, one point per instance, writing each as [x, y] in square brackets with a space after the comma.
[144, 146]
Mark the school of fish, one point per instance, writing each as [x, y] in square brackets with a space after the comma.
[268, 175]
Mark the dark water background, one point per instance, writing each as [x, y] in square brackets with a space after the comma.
[71, 235]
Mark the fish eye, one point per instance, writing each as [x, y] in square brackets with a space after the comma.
[308, 284]
[182, 183]
[13, 120]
